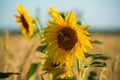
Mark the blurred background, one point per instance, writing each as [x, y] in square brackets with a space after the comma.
[100, 14]
[17, 52]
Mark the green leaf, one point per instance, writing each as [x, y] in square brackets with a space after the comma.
[41, 48]
[91, 78]
[96, 56]
[31, 72]
[97, 64]
[100, 56]
[95, 42]
[6, 75]
[92, 75]
[88, 55]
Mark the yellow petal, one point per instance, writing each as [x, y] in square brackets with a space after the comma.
[17, 18]
[79, 53]
[57, 18]
[70, 19]
[20, 8]
[83, 26]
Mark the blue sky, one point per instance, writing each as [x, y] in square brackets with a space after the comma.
[100, 14]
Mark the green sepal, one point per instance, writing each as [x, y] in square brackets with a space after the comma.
[79, 23]
[62, 14]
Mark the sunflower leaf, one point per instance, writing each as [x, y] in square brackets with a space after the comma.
[95, 42]
[88, 55]
[41, 48]
[92, 75]
[97, 64]
[32, 70]
[96, 56]
[4, 75]
[100, 56]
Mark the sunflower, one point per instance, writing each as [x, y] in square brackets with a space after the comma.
[25, 21]
[58, 71]
[65, 37]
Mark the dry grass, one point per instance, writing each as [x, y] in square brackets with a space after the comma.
[17, 53]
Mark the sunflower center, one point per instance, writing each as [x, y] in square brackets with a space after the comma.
[67, 38]
[24, 23]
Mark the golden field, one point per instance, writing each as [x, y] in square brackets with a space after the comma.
[17, 53]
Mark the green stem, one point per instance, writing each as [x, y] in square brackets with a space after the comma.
[84, 75]
[79, 69]
[78, 66]
[38, 26]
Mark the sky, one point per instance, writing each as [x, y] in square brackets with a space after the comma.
[99, 14]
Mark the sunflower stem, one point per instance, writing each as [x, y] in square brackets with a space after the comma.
[84, 74]
[38, 26]
[78, 66]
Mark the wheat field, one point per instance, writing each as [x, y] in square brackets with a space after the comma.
[17, 53]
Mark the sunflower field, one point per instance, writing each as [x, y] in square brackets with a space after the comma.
[64, 49]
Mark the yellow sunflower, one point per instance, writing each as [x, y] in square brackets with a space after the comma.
[25, 20]
[65, 37]
[58, 71]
